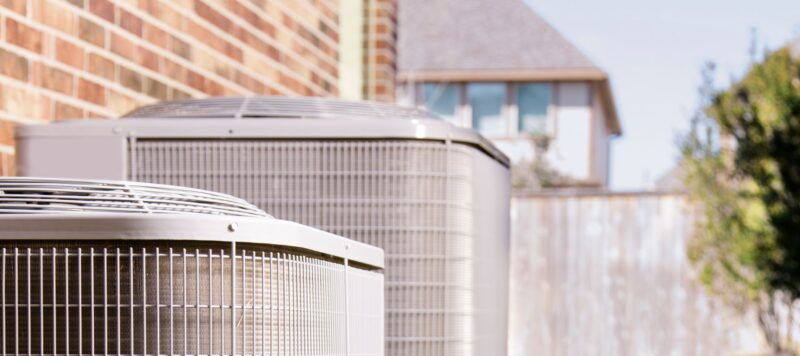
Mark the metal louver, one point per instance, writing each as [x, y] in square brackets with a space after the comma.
[433, 196]
[266, 107]
[43, 195]
[191, 282]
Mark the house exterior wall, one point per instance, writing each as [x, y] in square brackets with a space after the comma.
[576, 124]
[380, 51]
[570, 150]
[601, 145]
[100, 58]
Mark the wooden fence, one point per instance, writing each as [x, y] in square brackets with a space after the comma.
[608, 275]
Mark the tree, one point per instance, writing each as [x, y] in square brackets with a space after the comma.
[742, 164]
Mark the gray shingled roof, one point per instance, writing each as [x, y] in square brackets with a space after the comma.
[475, 35]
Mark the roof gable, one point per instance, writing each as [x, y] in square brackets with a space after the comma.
[481, 35]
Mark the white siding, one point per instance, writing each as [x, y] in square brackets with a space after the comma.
[600, 142]
[569, 151]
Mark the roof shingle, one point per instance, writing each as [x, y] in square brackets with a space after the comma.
[481, 35]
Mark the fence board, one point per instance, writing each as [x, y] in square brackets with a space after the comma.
[608, 275]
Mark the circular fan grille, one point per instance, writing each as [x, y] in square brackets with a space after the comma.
[273, 107]
[46, 195]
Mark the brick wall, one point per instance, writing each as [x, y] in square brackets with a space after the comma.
[64, 59]
[380, 54]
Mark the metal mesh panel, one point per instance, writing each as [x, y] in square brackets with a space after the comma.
[277, 106]
[411, 198]
[158, 299]
[23, 195]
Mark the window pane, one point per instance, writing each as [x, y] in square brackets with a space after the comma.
[486, 100]
[442, 99]
[533, 100]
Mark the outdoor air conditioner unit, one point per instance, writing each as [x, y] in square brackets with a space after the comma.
[435, 197]
[102, 268]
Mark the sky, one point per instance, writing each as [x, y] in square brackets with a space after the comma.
[653, 52]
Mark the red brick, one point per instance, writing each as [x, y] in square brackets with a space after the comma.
[171, 17]
[156, 89]
[13, 65]
[175, 94]
[233, 52]
[69, 53]
[23, 36]
[175, 71]
[101, 66]
[180, 47]
[18, 6]
[6, 133]
[148, 58]
[57, 80]
[149, 6]
[130, 22]
[205, 36]
[91, 32]
[103, 9]
[43, 107]
[91, 92]
[213, 16]
[196, 80]
[156, 36]
[7, 165]
[66, 111]
[214, 88]
[122, 46]
[130, 79]
[60, 17]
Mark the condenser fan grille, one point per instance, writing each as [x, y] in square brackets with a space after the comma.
[266, 107]
[35, 195]
[165, 299]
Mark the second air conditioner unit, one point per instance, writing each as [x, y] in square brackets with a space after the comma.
[102, 268]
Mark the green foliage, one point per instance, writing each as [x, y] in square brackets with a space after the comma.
[742, 164]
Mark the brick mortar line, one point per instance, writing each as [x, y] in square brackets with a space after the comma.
[382, 21]
[383, 51]
[268, 61]
[71, 100]
[213, 28]
[253, 30]
[310, 9]
[310, 27]
[77, 73]
[330, 5]
[196, 44]
[323, 37]
[106, 53]
[279, 25]
[165, 53]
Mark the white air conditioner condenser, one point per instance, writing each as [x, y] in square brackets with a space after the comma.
[101, 267]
